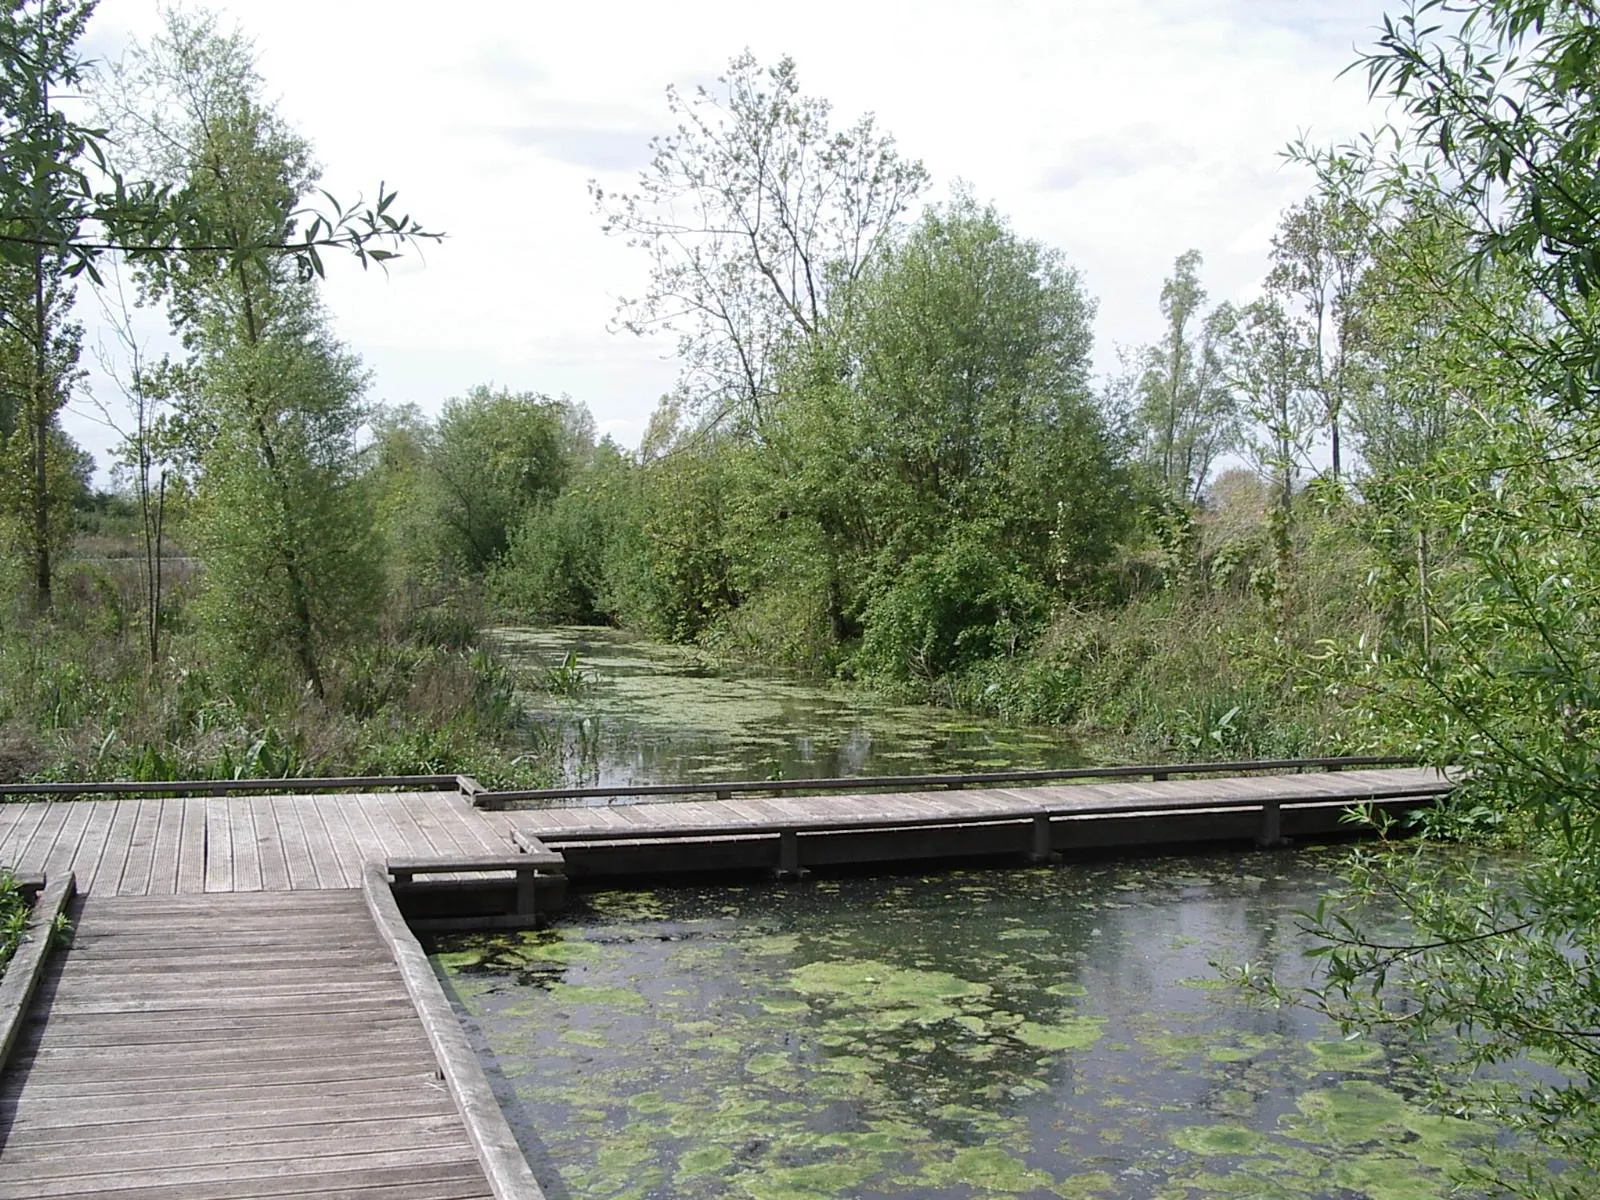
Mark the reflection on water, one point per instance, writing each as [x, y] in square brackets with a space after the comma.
[1044, 1032]
[650, 714]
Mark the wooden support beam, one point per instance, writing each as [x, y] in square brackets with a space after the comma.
[1271, 825]
[1043, 850]
[789, 855]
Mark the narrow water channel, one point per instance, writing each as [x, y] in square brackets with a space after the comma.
[968, 1033]
[639, 712]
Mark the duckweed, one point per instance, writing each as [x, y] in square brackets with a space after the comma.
[881, 1039]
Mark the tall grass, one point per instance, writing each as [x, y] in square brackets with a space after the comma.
[1215, 658]
[80, 699]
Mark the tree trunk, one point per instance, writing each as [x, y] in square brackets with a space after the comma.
[303, 635]
[40, 431]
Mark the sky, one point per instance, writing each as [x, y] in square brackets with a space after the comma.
[1123, 133]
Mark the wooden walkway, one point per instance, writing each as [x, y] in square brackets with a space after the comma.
[212, 1046]
[179, 846]
[237, 1018]
[791, 832]
[911, 808]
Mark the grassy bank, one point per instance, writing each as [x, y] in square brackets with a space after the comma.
[81, 697]
[1214, 648]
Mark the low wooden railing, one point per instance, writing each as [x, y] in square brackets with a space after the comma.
[726, 790]
[902, 783]
[221, 787]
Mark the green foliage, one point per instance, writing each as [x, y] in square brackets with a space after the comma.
[965, 602]
[14, 913]
[79, 699]
[756, 216]
[1485, 578]
[573, 559]
[1198, 668]
[495, 457]
[1186, 406]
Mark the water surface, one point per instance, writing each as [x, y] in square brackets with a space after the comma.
[1039, 1032]
[650, 713]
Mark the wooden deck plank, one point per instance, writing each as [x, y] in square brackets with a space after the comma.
[25, 819]
[334, 852]
[55, 838]
[43, 840]
[135, 878]
[357, 817]
[397, 833]
[108, 870]
[192, 846]
[172, 1053]
[219, 846]
[85, 863]
[296, 844]
[246, 872]
[69, 840]
[441, 835]
[168, 842]
[269, 844]
[10, 814]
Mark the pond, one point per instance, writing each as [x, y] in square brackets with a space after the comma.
[648, 713]
[972, 1033]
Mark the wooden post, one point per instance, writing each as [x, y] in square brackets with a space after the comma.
[527, 893]
[1158, 776]
[1271, 825]
[1042, 851]
[789, 855]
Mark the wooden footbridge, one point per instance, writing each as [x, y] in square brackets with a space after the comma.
[244, 1011]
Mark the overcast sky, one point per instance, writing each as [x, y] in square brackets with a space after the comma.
[1122, 132]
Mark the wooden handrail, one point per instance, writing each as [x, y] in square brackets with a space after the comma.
[869, 783]
[840, 822]
[215, 787]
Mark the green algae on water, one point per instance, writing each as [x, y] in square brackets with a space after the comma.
[877, 1039]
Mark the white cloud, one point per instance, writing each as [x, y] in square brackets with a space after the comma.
[1123, 133]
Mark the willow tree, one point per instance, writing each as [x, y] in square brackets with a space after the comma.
[755, 214]
[41, 211]
[1496, 960]
[269, 403]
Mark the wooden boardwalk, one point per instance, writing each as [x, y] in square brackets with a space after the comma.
[239, 1018]
[244, 1045]
[792, 832]
[184, 845]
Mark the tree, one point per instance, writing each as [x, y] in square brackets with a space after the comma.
[495, 456]
[37, 209]
[1267, 368]
[755, 215]
[1430, 354]
[64, 205]
[143, 458]
[1496, 958]
[948, 417]
[1185, 401]
[1319, 254]
[268, 402]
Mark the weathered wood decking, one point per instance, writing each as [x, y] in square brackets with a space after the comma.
[184, 845]
[793, 832]
[243, 1014]
[240, 1045]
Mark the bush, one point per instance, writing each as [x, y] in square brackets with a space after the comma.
[948, 609]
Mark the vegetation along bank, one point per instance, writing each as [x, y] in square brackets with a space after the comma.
[1352, 514]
